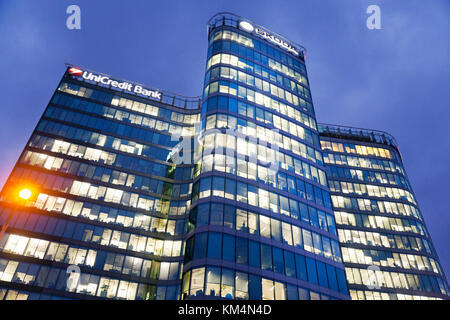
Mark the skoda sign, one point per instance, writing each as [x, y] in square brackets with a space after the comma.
[246, 26]
[276, 40]
[126, 86]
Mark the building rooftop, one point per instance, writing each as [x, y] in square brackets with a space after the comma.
[359, 134]
[167, 97]
[233, 20]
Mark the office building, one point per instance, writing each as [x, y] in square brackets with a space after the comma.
[106, 200]
[386, 247]
[262, 223]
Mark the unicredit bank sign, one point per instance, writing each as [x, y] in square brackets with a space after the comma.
[126, 86]
[266, 35]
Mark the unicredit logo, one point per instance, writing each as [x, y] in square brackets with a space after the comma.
[126, 86]
[75, 72]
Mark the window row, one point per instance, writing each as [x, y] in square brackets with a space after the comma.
[254, 96]
[92, 191]
[99, 260]
[219, 282]
[94, 234]
[247, 194]
[145, 292]
[12, 294]
[102, 140]
[248, 75]
[258, 197]
[389, 259]
[395, 280]
[47, 250]
[250, 133]
[376, 295]
[106, 175]
[261, 174]
[265, 116]
[371, 190]
[110, 158]
[358, 149]
[378, 222]
[250, 128]
[386, 240]
[88, 284]
[362, 162]
[271, 228]
[226, 283]
[107, 126]
[147, 269]
[269, 176]
[95, 212]
[395, 208]
[366, 176]
[114, 100]
[119, 115]
[243, 42]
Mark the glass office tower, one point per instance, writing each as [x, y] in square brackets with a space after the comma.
[386, 248]
[107, 204]
[261, 224]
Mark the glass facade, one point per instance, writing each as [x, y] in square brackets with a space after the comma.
[261, 224]
[107, 201]
[386, 248]
[238, 194]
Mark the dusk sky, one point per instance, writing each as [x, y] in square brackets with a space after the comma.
[395, 79]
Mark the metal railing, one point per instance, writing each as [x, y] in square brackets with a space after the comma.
[167, 97]
[376, 136]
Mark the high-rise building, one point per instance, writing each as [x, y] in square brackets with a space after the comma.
[107, 204]
[386, 247]
[261, 217]
[138, 193]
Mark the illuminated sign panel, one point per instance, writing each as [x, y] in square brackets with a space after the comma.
[244, 25]
[75, 72]
[276, 40]
[126, 86]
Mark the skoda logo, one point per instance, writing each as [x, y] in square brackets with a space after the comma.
[246, 26]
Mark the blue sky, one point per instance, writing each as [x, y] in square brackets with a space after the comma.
[395, 79]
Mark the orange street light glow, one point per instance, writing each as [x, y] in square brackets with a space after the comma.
[25, 194]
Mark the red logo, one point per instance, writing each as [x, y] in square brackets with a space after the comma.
[75, 72]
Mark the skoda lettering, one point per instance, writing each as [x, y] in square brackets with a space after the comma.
[276, 40]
